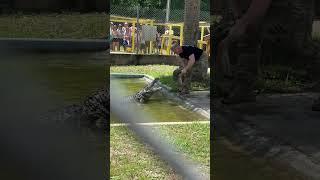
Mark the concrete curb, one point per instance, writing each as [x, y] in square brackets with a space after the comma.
[53, 45]
[123, 75]
[161, 123]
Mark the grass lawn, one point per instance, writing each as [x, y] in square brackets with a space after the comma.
[281, 79]
[163, 72]
[78, 26]
[131, 159]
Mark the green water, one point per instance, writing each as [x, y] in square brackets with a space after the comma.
[69, 77]
[159, 107]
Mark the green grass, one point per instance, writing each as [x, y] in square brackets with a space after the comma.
[163, 72]
[131, 159]
[281, 79]
[78, 26]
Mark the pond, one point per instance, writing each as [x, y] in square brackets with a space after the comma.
[33, 84]
[159, 107]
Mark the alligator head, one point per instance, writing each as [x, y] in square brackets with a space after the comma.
[145, 94]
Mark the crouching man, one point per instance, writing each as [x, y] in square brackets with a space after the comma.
[194, 66]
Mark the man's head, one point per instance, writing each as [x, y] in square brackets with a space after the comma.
[176, 48]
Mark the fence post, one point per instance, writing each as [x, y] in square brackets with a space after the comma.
[133, 36]
[138, 30]
[201, 37]
[168, 11]
[169, 39]
[181, 35]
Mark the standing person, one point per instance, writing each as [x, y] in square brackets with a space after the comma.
[142, 42]
[127, 35]
[116, 38]
[121, 36]
[194, 66]
[167, 33]
[158, 42]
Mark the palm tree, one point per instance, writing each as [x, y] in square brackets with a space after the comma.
[191, 21]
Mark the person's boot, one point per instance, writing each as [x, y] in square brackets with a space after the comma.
[316, 105]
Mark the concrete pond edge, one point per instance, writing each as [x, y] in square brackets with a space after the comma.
[248, 137]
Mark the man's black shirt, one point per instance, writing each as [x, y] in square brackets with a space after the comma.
[189, 50]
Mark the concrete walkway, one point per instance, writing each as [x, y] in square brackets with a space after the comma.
[281, 127]
[199, 99]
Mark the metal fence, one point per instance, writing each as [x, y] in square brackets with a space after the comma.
[130, 114]
[159, 15]
[156, 18]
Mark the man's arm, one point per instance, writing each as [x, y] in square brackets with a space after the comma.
[190, 62]
[256, 11]
[253, 16]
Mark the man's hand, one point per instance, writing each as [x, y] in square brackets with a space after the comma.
[183, 72]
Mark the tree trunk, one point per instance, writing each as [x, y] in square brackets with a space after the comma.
[191, 22]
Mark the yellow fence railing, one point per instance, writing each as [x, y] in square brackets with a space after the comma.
[166, 39]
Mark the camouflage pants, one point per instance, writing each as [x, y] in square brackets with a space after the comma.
[198, 73]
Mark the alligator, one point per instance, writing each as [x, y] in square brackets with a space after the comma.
[144, 94]
[93, 113]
